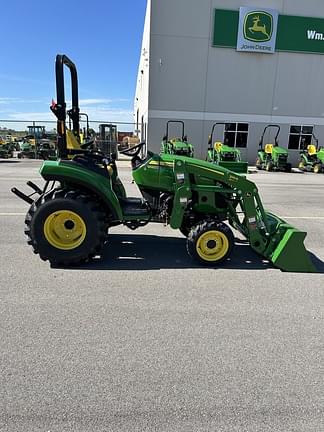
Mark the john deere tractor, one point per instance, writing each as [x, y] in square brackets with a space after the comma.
[271, 157]
[69, 217]
[223, 155]
[176, 146]
[7, 150]
[107, 141]
[312, 158]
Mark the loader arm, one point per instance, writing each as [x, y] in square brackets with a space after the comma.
[269, 235]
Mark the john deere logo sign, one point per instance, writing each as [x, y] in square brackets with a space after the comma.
[257, 30]
[258, 26]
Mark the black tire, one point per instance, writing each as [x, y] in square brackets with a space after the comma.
[288, 167]
[269, 166]
[185, 230]
[225, 238]
[258, 164]
[302, 165]
[317, 168]
[71, 201]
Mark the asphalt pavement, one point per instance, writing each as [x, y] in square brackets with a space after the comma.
[146, 340]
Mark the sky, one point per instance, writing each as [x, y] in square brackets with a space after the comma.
[102, 37]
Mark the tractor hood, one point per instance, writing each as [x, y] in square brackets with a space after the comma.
[279, 150]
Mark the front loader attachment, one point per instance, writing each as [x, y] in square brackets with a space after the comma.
[286, 249]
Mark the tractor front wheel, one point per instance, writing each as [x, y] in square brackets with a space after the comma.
[302, 165]
[288, 167]
[269, 166]
[317, 168]
[65, 227]
[210, 242]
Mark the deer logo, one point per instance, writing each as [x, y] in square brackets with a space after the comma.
[258, 26]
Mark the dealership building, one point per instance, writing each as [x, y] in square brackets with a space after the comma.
[243, 63]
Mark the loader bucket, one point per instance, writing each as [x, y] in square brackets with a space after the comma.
[238, 167]
[286, 249]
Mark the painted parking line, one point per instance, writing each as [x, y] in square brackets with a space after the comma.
[23, 179]
[12, 214]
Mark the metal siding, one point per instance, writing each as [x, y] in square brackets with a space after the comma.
[188, 75]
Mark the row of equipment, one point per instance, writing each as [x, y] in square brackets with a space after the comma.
[271, 157]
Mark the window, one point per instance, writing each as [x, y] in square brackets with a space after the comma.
[300, 137]
[236, 134]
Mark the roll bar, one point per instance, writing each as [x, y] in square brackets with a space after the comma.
[59, 108]
[183, 137]
[210, 138]
[276, 137]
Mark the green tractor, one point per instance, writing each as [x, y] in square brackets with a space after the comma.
[176, 146]
[69, 218]
[312, 158]
[7, 150]
[27, 150]
[271, 157]
[107, 141]
[223, 155]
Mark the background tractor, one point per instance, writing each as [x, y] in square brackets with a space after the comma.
[69, 218]
[312, 158]
[223, 155]
[271, 157]
[106, 141]
[176, 146]
[7, 150]
[38, 144]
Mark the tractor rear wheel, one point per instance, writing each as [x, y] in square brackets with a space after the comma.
[210, 242]
[65, 227]
[258, 164]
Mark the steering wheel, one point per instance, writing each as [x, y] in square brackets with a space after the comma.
[133, 151]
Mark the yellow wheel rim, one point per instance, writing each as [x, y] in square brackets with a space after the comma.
[212, 245]
[65, 230]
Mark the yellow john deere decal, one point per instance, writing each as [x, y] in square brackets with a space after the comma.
[155, 163]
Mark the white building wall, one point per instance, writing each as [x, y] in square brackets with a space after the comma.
[142, 85]
[191, 80]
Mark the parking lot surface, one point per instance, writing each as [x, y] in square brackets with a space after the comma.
[146, 340]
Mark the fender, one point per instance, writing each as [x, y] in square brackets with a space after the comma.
[72, 173]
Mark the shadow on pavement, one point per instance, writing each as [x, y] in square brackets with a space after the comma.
[150, 252]
[9, 161]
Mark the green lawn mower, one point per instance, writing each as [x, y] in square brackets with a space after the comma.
[176, 146]
[7, 150]
[223, 155]
[312, 158]
[271, 157]
[68, 220]
[27, 151]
